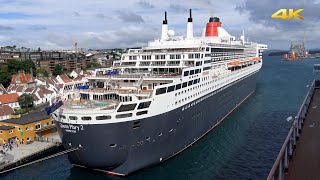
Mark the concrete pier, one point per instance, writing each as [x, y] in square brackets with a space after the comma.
[299, 157]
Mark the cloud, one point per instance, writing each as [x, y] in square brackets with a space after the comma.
[6, 28]
[76, 14]
[107, 23]
[145, 4]
[100, 15]
[38, 27]
[130, 17]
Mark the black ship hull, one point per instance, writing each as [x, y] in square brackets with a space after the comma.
[122, 148]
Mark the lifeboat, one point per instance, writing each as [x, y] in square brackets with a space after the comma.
[234, 63]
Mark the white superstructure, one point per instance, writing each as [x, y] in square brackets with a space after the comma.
[170, 73]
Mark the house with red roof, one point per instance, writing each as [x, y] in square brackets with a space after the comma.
[21, 78]
[75, 73]
[5, 112]
[10, 100]
[2, 89]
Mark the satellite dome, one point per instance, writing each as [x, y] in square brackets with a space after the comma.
[171, 33]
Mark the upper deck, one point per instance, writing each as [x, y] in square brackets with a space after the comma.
[302, 143]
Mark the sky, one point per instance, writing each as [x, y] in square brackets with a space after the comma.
[97, 24]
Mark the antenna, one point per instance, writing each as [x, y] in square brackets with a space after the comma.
[190, 18]
[165, 21]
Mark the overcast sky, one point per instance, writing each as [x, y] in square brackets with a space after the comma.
[57, 24]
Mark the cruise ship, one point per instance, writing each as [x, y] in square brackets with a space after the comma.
[157, 100]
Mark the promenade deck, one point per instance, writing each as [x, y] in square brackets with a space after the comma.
[305, 163]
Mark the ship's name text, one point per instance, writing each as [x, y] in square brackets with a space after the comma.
[71, 128]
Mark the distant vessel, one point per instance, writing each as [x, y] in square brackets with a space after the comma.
[157, 101]
[297, 52]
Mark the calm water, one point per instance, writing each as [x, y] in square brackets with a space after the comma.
[244, 146]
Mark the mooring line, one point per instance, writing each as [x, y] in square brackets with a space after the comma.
[42, 159]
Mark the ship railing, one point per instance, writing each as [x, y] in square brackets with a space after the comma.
[282, 162]
[113, 91]
[138, 76]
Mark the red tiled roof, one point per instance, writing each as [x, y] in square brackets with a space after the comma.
[29, 90]
[35, 97]
[79, 78]
[9, 98]
[65, 78]
[19, 89]
[24, 78]
[2, 89]
[6, 110]
[46, 91]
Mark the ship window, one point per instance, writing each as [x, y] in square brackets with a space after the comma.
[73, 117]
[123, 115]
[184, 84]
[197, 71]
[207, 61]
[127, 107]
[172, 56]
[141, 113]
[207, 49]
[178, 86]
[186, 73]
[157, 57]
[178, 56]
[161, 91]
[86, 118]
[144, 105]
[191, 72]
[163, 56]
[206, 68]
[190, 83]
[103, 117]
[195, 81]
[62, 117]
[170, 88]
[113, 145]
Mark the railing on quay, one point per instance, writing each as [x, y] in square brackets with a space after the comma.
[282, 162]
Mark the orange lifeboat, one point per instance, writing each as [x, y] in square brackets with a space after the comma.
[234, 63]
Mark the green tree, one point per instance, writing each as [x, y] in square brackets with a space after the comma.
[25, 101]
[42, 72]
[93, 64]
[27, 65]
[57, 70]
[5, 76]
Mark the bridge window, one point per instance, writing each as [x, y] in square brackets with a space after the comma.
[144, 105]
[73, 117]
[86, 118]
[128, 107]
[161, 91]
[103, 117]
[123, 115]
[141, 113]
